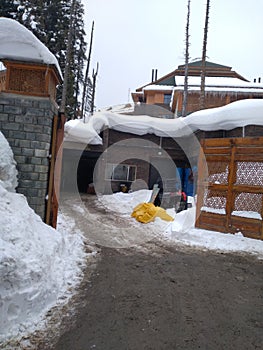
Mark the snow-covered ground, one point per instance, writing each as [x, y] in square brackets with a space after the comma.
[182, 230]
[38, 265]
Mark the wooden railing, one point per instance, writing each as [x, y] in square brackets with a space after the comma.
[230, 192]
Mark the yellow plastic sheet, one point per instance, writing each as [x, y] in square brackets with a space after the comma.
[147, 212]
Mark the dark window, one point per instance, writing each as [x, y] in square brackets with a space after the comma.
[167, 99]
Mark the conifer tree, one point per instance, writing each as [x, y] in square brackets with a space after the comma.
[49, 21]
[8, 8]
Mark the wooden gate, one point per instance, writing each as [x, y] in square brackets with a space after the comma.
[230, 192]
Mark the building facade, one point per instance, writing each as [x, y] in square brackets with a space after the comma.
[222, 86]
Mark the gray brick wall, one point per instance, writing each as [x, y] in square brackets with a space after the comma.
[26, 122]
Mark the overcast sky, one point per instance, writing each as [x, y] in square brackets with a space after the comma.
[133, 37]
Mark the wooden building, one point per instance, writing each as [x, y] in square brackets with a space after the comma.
[222, 86]
[125, 159]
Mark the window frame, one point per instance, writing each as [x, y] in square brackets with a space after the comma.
[111, 167]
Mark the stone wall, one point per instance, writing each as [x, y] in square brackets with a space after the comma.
[26, 122]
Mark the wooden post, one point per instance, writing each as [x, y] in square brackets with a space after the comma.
[55, 170]
[51, 169]
[201, 182]
[231, 182]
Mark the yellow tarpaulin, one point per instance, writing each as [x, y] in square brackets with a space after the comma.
[147, 212]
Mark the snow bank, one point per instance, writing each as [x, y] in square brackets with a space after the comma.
[124, 203]
[18, 43]
[37, 263]
[8, 172]
[233, 115]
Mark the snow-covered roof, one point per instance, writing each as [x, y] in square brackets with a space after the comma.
[233, 115]
[155, 87]
[217, 81]
[19, 44]
[211, 83]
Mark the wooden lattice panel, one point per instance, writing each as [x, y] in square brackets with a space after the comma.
[230, 186]
[27, 80]
[218, 172]
[250, 173]
[30, 79]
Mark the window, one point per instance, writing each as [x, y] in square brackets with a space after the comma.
[120, 172]
[167, 99]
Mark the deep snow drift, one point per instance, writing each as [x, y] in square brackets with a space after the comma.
[37, 263]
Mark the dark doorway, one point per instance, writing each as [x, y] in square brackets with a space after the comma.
[85, 169]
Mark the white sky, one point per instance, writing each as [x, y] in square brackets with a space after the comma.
[133, 37]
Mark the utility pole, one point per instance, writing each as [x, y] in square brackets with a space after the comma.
[203, 69]
[185, 95]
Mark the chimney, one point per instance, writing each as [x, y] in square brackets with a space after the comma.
[255, 80]
[152, 75]
[259, 80]
[156, 74]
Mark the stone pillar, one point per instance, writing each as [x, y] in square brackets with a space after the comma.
[26, 122]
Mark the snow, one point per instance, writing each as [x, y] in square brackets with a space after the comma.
[247, 214]
[18, 43]
[217, 82]
[228, 90]
[125, 201]
[8, 172]
[214, 210]
[236, 114]
[181, 230]
[210, 82]
[214, 84]
[38, 265]
[77, 131]
[154, 87]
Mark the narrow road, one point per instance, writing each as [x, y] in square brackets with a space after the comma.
[162, 297]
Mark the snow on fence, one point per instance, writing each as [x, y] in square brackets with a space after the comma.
[230, 193]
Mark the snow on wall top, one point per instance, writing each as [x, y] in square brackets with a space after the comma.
[18, 43]
[233, 115]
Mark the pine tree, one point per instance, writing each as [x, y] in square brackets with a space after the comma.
[49, 20]
[88, 105]
[87, 85]
[8, 8]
